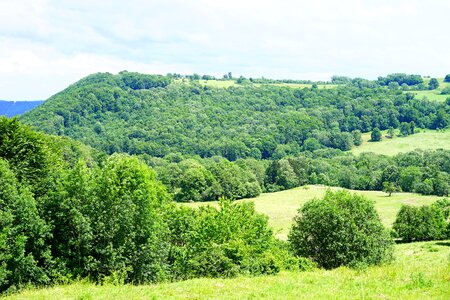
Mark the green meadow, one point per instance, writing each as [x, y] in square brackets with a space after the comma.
[228, 83]
[434, 95]
[281, 207]
[424, 139]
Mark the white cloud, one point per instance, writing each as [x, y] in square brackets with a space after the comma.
[46, 45]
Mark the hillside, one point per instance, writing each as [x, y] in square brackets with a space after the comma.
[434, 95]
[14, 108]
[157, 115]
[425, 139]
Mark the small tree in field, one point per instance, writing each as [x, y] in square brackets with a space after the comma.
[375, 136]
[341, 229]
[433, 84]
[447, 78]
[390, 187]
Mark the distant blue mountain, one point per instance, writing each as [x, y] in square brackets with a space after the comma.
[14, 108]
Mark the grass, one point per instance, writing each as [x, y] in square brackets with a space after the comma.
[425, 139]
[420, 271]
[281, 207]
[433, 95]
[302, 85]
[218, 83]
[229, 83]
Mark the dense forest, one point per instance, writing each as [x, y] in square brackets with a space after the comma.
[158, 115]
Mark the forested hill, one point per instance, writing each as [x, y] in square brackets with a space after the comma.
[14, 108]
[158, 115]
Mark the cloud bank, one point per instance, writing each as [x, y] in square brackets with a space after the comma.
[46, 45]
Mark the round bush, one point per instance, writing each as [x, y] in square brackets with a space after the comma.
[342, 229]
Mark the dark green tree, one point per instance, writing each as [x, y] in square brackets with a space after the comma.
[420, 223]
[129, 232]
[375, 136]
[340, 229]
[433, 84]
[447, 78]
[24, 250]
[405, 129]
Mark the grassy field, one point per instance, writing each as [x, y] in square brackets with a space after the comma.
[420, 271]
[281, 207]
[228, 83]
[302, 85]
[425, 139]
[434, 95]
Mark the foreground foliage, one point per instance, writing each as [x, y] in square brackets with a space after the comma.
[420, 271]
[342, 229]
[224, 242]
[67, 213]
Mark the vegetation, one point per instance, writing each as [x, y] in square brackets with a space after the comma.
[423, 223]
[401, 78]
[423, 140]
[420, 270]
[375, 136]
[105, 214]
[66, 215]
[152, 115]
[281, 207]
[341, 230]
[433, 84]
[224, 242]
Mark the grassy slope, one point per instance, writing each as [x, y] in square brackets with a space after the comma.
[434, 95]
[425, 139]
[228, 83]
[281, 207]
[421, 271]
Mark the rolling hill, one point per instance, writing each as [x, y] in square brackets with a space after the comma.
[157, 115]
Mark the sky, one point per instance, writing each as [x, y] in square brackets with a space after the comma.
[45, 45]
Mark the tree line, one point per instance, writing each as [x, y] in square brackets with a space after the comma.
[193, 178]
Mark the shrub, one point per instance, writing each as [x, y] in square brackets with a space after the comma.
[420, 223]
[375, 136]
[224, 242]
[341, 229]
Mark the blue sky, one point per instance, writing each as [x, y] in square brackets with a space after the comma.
[46, 45]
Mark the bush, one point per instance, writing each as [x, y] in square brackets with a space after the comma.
[224, 242]
[341, 229]
[375, 136]
[420, 223]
